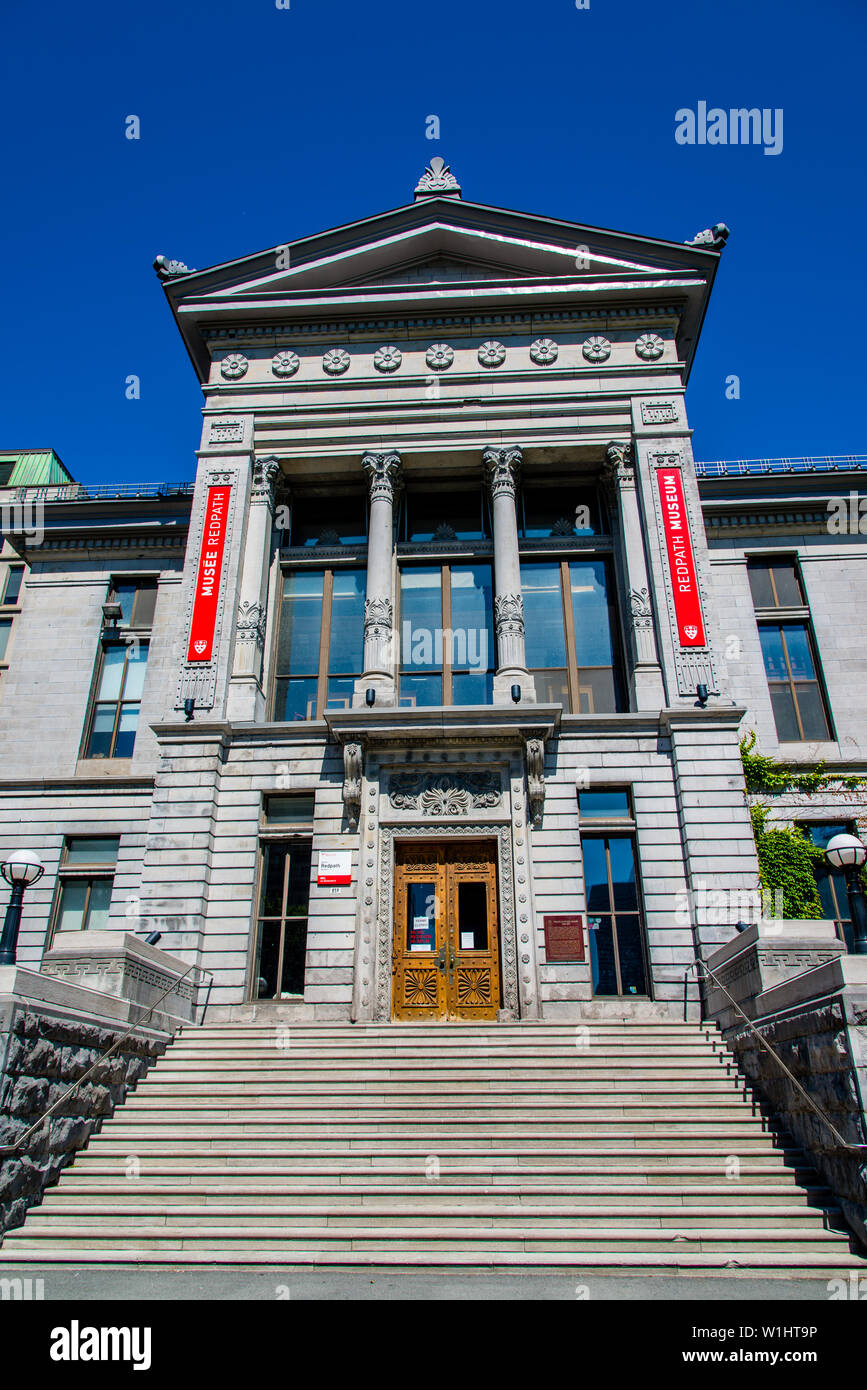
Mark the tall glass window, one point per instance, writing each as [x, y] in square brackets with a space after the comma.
[85, 883]
[447, 644]
[320, 643]
[613, 916]
[121, 666]
[570, 634]
[831, 883]
[788, 650]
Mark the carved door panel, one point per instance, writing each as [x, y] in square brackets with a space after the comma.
[419, 945]
[446, 937]
[473, 945]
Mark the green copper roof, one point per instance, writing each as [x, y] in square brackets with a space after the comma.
[28, 467]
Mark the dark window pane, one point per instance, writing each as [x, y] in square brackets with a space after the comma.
[97, 908]
[543, 615]
[608, 802]
[438, 514]
[300, 625]
[602, 968]
[287, 810]
[598, 691]
[760, 583]
[472, 617]
[630, 954]
[812, 709]
[13, 584]
[421, 619]
[772, 652]
[421, 690]
[798, 646]
[91, 850]
[787, 584]
[267, 960]
[595, 876]
[591, 612]
[294, 958]
[145, 605]
[347, 623]
[340, 692]
[472, 688]
[296, 699]
[785, 718]
[421, 917]
[5, 629]
[273, 869]
[559, 511]
[298, 887]
[473, 916]
[552, 687]
[103, 726]
[73, 898]
[623, 873]
[126, 729]
[124, 594]
[332, 520]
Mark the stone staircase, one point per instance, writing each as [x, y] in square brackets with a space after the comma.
[628, 1146]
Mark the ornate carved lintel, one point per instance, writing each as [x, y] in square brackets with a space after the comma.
[535, 757]
[501, 469]
[266, 471]
[352, 772]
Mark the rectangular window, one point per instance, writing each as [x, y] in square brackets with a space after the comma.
[609, 803]
[561, 510]
[320, 643]
[788, 650]
[455, 514]
[121, 666]
[12, 585]
[446, 626]
[569, 622]
[831, 883]
[5, 629]
[284, 896]
[85, 882]
[339, 519]
[617, 957]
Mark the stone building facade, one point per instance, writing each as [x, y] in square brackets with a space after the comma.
[425, 700]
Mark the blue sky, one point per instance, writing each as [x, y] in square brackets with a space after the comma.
[261, 124]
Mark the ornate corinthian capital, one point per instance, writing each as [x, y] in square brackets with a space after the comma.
[501, 469]
[384, 473]
[509, 614]
[266, 471]
[619, 466]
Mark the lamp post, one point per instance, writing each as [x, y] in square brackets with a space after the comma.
[21, 869]
[846, 852]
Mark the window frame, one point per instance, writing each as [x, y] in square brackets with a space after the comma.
[88, 872]
[447, 670]
[618, 667]
[131, 637]
[327, 568]
[277, 834]
[777, 617]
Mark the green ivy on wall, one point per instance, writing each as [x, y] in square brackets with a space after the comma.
[763, 774]
[787, 862]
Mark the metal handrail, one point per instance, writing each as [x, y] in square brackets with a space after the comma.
[826, 1119]
[6, 1150]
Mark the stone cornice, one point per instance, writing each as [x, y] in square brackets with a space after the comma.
[441, 723]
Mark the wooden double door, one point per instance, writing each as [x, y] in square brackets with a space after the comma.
[446, 957]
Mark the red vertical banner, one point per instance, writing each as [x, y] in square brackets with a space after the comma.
[204, 618]
[681, 561]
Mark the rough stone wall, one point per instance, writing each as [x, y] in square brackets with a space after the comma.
[44, 1055]
[815, 1045]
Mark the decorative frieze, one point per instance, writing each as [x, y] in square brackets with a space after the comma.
[658, 413]
[387, 359]
[492, 354]
[445, 794]
[285, 364]
[439, 357]
[335, 362]
[544, 351]
[649, 347]
[234, 366]
[596, 348]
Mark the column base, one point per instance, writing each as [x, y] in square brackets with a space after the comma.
[509, 676]
[384, 685]
[647, 688]
[245, 702]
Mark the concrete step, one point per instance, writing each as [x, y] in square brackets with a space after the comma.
[728, 1141]
[177, 1092]
[581, 1172]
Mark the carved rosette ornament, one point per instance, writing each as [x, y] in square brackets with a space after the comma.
[439, 357]
[383, 470]
[251, 624]
[649, 346]
[352, 772]
[492, 354]
[266, 471]
[596, 348]
[387, 359]
[335, 362]
[544, 351]
[535, 754]
[234, 366]
[501, 467]
[285, 363]
[642, 612]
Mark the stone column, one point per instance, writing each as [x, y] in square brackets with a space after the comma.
[501, 468]
[646, 686]
[384, 473]
[246, 699]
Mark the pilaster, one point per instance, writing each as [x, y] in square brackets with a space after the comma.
[501, 470]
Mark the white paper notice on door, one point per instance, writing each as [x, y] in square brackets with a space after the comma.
[468, 941]
[420, 929]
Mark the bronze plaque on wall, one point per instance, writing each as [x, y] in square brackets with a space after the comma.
[564, 937]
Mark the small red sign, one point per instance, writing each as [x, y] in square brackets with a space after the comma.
[208, 578]
[564, 937]
[681, 561]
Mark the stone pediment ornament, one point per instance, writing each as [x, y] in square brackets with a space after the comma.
[168, 270]
[712, 238]
[437, 181]
[445, 794]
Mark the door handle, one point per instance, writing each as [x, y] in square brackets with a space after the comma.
[452, 961]
[441, 960]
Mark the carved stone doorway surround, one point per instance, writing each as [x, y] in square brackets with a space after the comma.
[506, 900]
